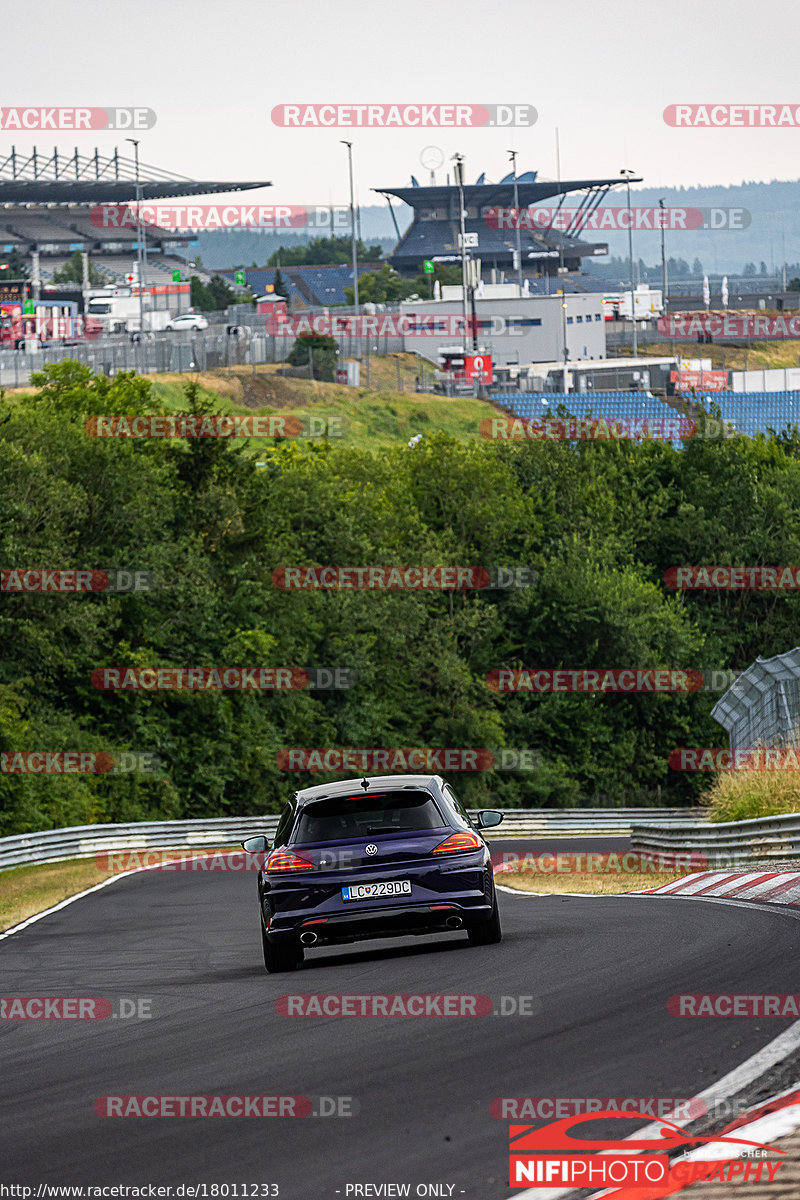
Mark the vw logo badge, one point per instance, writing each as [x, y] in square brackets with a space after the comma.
[371, 848]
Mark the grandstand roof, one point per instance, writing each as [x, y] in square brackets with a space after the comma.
[52, 178]
[497, 193]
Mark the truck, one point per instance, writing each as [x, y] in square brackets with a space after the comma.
[648, 304]
[119, 313]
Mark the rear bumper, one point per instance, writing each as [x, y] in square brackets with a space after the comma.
[397, 921]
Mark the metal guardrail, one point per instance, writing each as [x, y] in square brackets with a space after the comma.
[724, 843]
[84, 841]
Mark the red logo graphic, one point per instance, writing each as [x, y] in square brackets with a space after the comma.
[551, 1156]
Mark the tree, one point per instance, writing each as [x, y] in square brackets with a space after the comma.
[697, 267]
[763, 269]
[72, 272]
[279, 284]
[324, 352]
[14, 266]
[213, 296]
[380, 287]
[749, 269]
[322, 251]
[793, 285]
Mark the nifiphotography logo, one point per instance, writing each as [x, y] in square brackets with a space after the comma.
[551, 1156]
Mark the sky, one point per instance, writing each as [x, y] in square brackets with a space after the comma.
[600, 73]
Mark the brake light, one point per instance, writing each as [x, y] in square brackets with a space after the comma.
[459, 843]
[284, 860]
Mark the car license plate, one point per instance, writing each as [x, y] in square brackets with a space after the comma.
[375, 891]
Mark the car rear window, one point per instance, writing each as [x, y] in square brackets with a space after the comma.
[365, 815]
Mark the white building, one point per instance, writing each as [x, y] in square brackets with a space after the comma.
[515, 329]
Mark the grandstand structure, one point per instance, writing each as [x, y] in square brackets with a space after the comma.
[47, 202]
[749, 413]
[435, 226]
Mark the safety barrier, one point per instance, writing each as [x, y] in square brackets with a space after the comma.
[84, 841]
[726, 842]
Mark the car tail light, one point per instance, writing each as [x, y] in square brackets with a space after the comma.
[284, 860]
[459, 843]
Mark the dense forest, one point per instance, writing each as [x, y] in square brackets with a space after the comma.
[597, 524]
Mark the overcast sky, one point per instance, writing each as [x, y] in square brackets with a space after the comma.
[602, 71]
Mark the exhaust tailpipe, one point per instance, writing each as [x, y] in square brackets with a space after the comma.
[308, 938]
[454, 922]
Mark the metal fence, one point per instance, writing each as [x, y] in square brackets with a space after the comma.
[724, 843]
[178, 352]
[84, 841]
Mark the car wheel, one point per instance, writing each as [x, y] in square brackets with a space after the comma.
[487, 931]
[280, 958]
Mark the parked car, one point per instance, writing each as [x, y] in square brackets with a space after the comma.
[188, 320]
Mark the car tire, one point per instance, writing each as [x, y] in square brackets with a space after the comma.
[280, 958]
[486, 932]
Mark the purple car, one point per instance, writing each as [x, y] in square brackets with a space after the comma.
[393, 855]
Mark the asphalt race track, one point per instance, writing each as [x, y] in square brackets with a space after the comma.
[600, 971]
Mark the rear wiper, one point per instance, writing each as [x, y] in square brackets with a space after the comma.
[389, 828]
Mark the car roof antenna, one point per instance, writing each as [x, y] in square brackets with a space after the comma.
[365, 784]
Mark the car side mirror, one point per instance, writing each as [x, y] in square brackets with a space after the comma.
[488, 817]
[256, 844]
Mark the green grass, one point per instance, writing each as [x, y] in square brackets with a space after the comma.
[372, 417]
[742, 795]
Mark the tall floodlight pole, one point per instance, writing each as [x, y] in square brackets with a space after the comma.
[565, 381]
[352, 225]
[459, 171]
[627, 173]
[512, 154]
[664, 281]
[139, 255]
